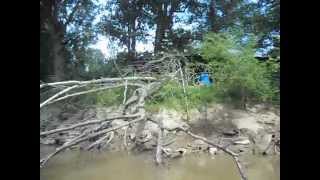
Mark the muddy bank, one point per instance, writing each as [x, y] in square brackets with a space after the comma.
[243, 131]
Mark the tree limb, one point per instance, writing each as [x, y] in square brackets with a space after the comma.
[226, 150]
[87, 123]
[57, 95]
[103, 80]
[74, 10]
[93, 90]
[90, 136]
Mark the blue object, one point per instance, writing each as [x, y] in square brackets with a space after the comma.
[204, 79]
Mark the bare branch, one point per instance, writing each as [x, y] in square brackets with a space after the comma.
[74, 10]
[93, 90]
[226, 150]
[90, 136]
[103, 80]
[57, 95]
[87, 123]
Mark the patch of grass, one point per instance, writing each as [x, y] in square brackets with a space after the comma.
[172, 96]
[107, 97]
[110, 97]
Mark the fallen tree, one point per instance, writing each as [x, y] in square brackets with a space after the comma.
[132, 110]
[139, 114]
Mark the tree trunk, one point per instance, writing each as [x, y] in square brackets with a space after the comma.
[164, 23]
[132, 39]
[59, 59]
[55, 30]
[212, 16]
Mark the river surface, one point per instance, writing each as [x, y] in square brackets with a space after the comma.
[121, 166]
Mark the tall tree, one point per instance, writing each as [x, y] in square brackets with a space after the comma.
[126, 23]
[57, 17]
[163, 14]
[222, 14]
[52, 32]
[81, 32]
[263, 19]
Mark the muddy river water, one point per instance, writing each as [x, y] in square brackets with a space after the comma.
[121, 166]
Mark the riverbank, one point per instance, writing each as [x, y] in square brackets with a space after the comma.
[244, 132]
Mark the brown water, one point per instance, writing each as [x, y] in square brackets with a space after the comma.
[120, 166]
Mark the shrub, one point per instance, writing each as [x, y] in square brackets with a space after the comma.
[238, 74]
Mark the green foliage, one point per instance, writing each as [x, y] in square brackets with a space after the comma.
[96, 64]
[110, 97]
[238, 74]
[92, 64]
[216, 48]
[172, 96]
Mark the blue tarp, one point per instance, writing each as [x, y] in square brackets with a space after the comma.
[204, 79]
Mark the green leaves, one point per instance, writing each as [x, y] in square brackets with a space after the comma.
[238, 74]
